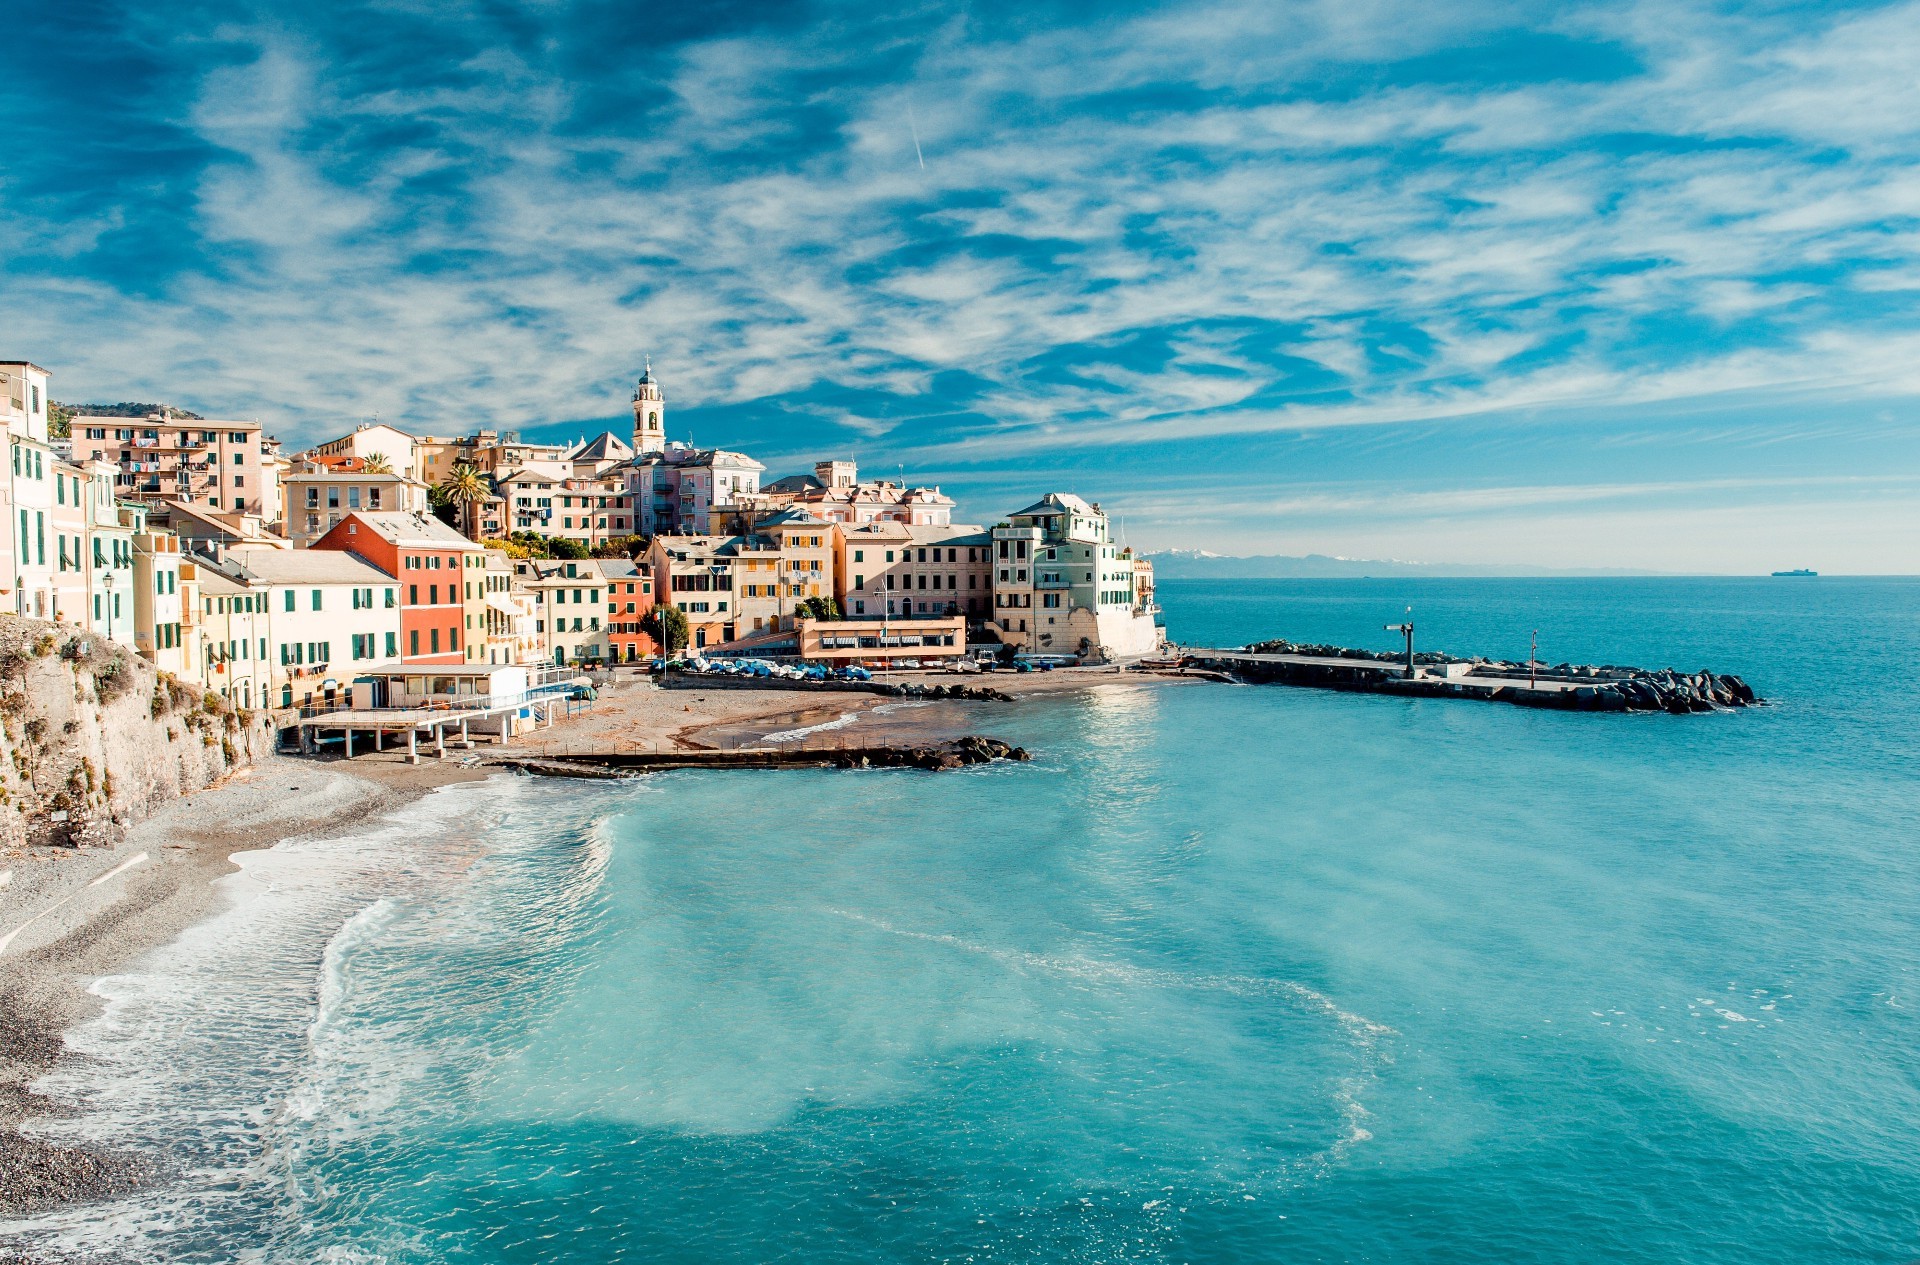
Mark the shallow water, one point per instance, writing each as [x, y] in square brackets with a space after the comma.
[1226, 974]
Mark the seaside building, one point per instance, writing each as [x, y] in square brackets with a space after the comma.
[67, 525]
[789, 559]
[695, 574]
[1061, 585]
[429, 561]
[890, 568]
[319, 494]
[917, 639]
[280, 623]
[110, 566]
[29, 495]
[508, 616]
[629, 600]
[570, 608]
[158, 634]
[550, 498]
[225, 465]
[235, 642]
[473, 602]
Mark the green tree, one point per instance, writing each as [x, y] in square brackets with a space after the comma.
[621, 547]
[464, 488]
[667, 625]
[60, 420]
[817, 608]
[378, 463]
[561, 547]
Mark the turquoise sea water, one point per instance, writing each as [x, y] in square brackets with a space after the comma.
[1227, 974]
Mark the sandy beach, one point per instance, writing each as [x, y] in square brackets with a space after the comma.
[68, 916]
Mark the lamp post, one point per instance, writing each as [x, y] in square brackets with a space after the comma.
[109, 584]
[1406, 628]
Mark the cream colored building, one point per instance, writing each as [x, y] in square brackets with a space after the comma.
[318, 498]
[321, 614]
[570, 608]
[375, 440]
[158, 632]
[788, 560]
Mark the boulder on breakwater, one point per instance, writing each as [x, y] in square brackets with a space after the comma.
[957, 754]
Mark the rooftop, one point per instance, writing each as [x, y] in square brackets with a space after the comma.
[263, 564]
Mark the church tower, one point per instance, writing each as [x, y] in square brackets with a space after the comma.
[649, 413]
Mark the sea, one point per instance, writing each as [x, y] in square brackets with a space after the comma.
[1226, 974]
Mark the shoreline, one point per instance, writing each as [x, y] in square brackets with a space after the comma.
[71, 916]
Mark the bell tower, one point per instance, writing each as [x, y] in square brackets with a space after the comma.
[649, 414]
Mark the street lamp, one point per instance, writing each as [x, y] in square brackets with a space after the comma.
[109, 584]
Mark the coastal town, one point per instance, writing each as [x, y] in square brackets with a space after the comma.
[277, 580]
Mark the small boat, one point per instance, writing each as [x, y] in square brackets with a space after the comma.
[1795, 574]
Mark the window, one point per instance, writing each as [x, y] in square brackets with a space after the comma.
[393, 650]
[236, 437]
[433, 640]
[389, 599]
[413, 598]
[316, 599]
[238, 459]
[413, 642]
[433, 595]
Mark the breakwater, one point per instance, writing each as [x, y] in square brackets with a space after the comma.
[933, 757]
[1564, 686]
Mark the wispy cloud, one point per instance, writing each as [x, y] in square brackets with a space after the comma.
[978, 236]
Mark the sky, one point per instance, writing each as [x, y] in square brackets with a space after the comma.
[1612, 285]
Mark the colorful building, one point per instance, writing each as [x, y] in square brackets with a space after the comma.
[428, 561]
[222, 464]
[629, 601]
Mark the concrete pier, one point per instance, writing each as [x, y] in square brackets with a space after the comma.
[1563, 687]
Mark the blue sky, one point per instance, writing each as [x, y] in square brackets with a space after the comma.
[1622, 284]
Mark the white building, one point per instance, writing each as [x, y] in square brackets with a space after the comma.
[1062, 586]
[318, 615]
[29, 489]
[375, 440]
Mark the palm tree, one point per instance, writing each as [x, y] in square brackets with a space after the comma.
[466, 487]
[378, 463]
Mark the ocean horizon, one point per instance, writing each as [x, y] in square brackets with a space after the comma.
[1226, 973]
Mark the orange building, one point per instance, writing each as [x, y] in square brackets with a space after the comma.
[428, 559]
[629, 598]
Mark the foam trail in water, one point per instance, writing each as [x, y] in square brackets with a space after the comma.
[1365, 1037]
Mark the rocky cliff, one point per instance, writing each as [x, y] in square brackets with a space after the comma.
[92, 738]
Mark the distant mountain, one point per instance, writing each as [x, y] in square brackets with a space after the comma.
[1199, 564]
[128, 409]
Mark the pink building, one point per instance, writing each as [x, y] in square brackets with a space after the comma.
[222, 465]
